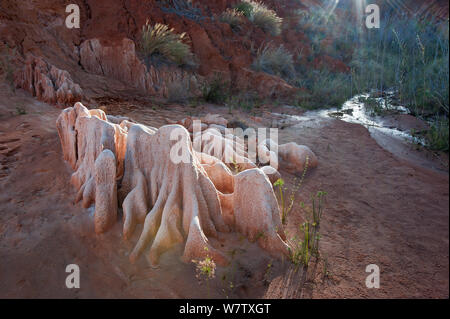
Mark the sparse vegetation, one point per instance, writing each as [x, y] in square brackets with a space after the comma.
[233, 17]
[306, 245]
[406, 55]
[21, 110]
[205, 269]
[287, 207]
[437, 137]
[229, 277]
[236, 169]
[243, 100]
[322, 88]
[274, 60]
[245, 7]
[284, 210]
[183, 8]
[410, 56]
[216, 90]
[160, 40]
[317, 208]
[373, 105]
[268, 273]
[261, 16]
[266, 19]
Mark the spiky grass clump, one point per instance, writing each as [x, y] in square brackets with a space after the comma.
[323, 88]
[266, 19]
[437, 137]
[216, 90]
[258, 13]
[307, 245]
[159, 39]
[274, 60]
[245, 7]
[233, 17]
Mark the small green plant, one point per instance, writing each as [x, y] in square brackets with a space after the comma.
[274, 60]
[231, 103]
[160, 40]
[301, 247]
[437, 136]
[236, 168]
[307, 245]
[260, 234]
[298, 184]
[21, 110]
[286, 208]
[317, 207]
[205, 269]
[373, 105]
[229, 278]
[322, 88]
[243, 100]
[268, 272]
[233, 17]
[215, 91]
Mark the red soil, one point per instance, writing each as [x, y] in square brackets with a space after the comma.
[379, 209]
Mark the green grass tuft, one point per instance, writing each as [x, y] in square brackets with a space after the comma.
[245, 7]
[216, 90]
[263, 17]
[160, 40]
[274, 60]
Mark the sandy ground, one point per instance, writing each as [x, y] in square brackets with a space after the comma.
[380, 209]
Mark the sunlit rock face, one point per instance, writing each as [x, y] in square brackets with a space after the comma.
[291, 157]
[95, 149]
[211, 137]
[118, 59]
[131, 166]
[47, 82]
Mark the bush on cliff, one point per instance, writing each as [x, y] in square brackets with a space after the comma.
[261, 16]
[160, 40]
[274, 60]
